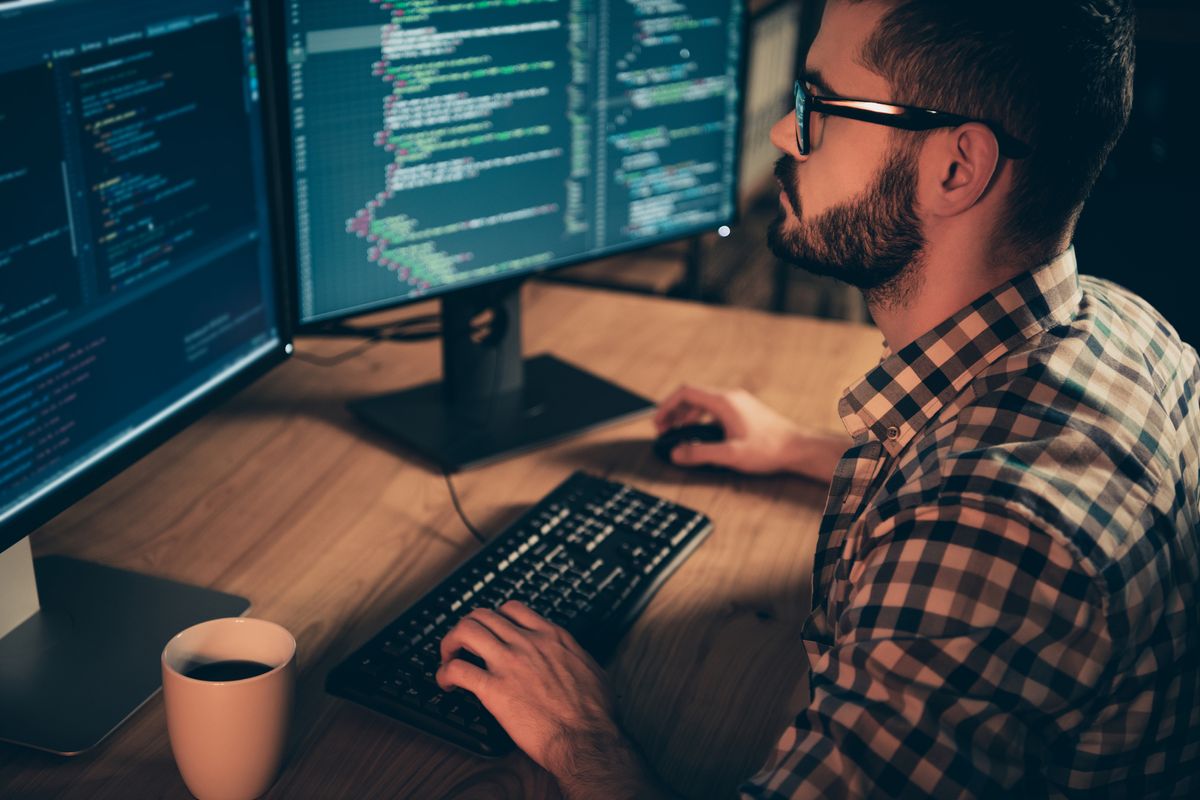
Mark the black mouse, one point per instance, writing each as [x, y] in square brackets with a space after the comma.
[703, 432]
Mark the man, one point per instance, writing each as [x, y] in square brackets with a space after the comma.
[1005, 581]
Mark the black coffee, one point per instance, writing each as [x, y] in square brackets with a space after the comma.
[227, 670]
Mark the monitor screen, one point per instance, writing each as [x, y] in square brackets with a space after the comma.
[136, 269]
[438, 145]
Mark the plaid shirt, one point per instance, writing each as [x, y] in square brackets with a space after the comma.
[1005, 585]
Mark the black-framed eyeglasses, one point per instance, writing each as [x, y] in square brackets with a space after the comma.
[907, 118]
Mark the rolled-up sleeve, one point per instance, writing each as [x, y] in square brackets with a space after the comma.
[965, 642]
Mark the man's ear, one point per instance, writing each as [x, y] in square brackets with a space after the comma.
[959, 166]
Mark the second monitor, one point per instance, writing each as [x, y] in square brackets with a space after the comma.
[450, 149]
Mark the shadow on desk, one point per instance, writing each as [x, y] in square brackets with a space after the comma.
[722, 679]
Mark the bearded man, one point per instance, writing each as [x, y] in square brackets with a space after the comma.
[1005, 584]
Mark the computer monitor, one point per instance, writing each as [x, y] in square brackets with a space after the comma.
[138, 285]
[451, 149]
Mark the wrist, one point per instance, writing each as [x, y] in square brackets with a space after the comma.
[602, 765]
[814, 457]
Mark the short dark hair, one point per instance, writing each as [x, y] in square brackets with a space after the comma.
[1056, 74]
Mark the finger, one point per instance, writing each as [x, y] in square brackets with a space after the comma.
[503, 627]
[474, 637]
[696, 454]
[689, 400]
[666, 408]
[526, 617]
[694, 404]
[684, 415]
[458, 674]
[714, 401]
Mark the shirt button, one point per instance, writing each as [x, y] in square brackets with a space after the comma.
[893, 432]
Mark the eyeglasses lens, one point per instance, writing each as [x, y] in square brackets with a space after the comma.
[801, 96]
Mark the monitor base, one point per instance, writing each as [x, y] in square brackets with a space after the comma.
[556, 400]
[80, 666]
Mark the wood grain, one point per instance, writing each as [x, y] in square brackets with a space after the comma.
[280, 495]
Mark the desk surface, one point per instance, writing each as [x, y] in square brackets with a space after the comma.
[281, 496]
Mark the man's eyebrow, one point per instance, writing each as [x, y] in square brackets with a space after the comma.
[814, 78]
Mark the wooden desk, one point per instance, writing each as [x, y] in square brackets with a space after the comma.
[281, 496]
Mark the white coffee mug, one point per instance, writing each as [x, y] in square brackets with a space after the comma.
[228, 736]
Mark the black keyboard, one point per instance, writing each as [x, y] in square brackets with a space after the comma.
[588, 557]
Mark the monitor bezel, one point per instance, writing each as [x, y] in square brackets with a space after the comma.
[275, 74]
[91, 478]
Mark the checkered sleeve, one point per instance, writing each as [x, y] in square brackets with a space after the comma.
[967, 642]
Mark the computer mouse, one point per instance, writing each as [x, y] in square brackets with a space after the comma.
[703, 432]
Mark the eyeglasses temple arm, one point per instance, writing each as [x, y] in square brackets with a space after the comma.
[913, 119]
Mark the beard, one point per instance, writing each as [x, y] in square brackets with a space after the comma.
[873, 242]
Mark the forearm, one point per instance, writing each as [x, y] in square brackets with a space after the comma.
[816, 457]
[606, 766]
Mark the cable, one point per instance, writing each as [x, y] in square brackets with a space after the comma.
[385, 333]
[458, 507]
[380, 331]
[333, 361]
[487, 417]
[395, 332]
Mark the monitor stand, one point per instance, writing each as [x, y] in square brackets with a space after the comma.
[491, 403]
[79, 666]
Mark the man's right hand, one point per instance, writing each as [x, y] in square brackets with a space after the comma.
[758, 440]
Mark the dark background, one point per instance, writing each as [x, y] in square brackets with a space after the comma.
[1140, 225]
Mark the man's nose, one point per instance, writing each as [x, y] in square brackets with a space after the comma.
[783, 136]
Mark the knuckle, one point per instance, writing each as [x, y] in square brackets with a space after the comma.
[450, 672]
[460, 674]
[457, 670]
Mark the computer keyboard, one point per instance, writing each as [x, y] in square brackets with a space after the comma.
[588, 556]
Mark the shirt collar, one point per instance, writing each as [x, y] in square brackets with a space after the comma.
[895, 400]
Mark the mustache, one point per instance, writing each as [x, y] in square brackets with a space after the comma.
[786, 175]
